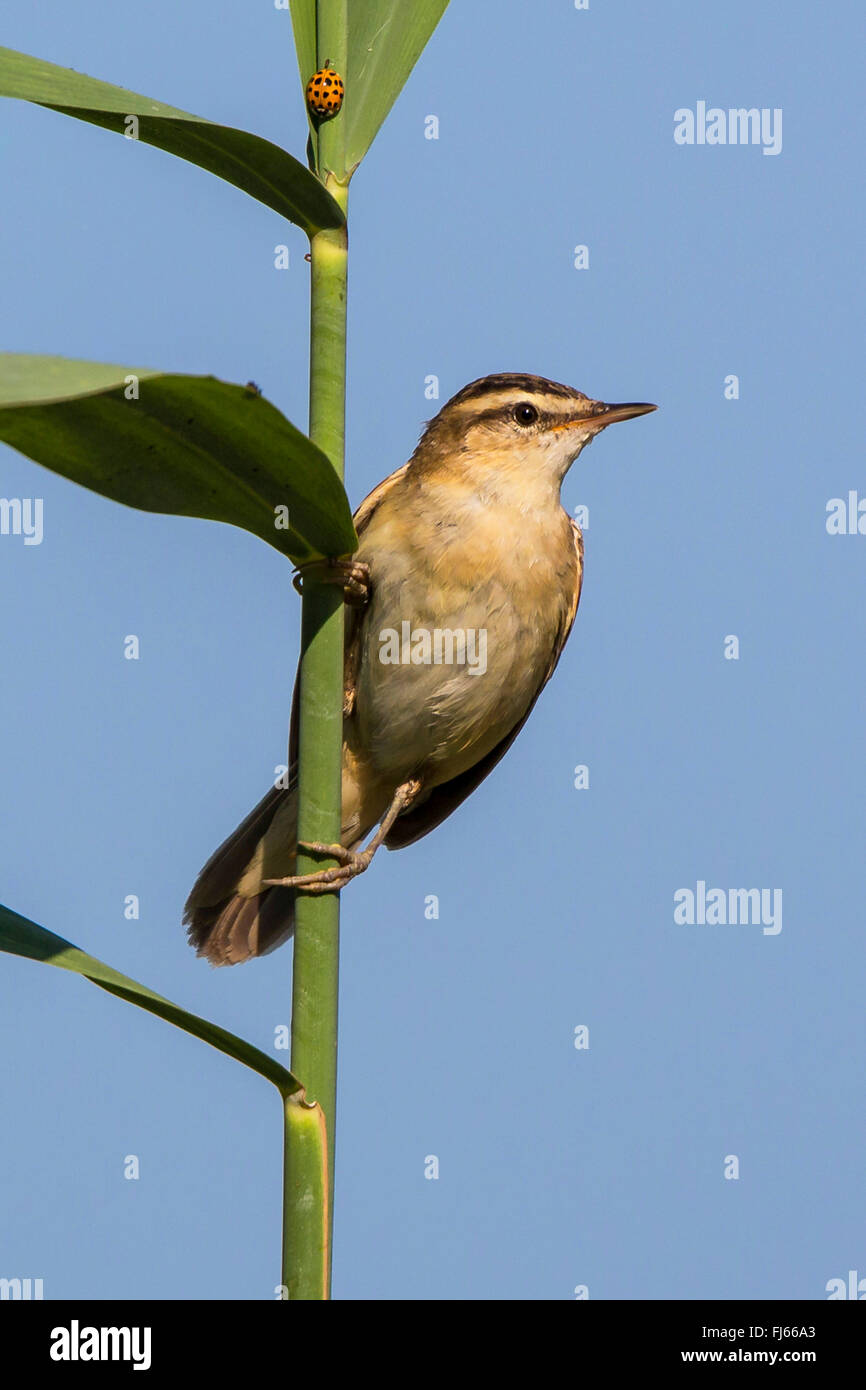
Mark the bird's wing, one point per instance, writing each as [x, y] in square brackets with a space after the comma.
[352, 631]
[416, 822]
[379, 493]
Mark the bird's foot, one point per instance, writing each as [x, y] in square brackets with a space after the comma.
[353, 576]
[350, 863]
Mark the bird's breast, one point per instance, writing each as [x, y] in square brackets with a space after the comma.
[466, 609]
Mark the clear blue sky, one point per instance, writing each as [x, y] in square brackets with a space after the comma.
[558, 1167]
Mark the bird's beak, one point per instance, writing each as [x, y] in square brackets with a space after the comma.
[609, 414]
[600, 415]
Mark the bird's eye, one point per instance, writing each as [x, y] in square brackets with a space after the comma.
[525, 413]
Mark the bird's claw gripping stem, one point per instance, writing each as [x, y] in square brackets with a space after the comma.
[350, 862]
[353, 576]
[329, 880]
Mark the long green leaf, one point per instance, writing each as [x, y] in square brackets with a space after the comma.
[21, 937]
[304, 27]
[188, 445]
[253, 164]
[386, 38]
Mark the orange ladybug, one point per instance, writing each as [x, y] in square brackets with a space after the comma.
[325, 92]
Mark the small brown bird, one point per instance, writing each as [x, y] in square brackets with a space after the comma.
[460, 599]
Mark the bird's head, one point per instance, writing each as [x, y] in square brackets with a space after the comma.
[516, 422]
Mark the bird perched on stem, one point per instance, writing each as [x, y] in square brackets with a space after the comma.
[465, 550]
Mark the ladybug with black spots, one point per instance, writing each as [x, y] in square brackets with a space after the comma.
[325, 92]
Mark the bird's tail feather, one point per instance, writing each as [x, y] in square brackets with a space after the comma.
[229, 915]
